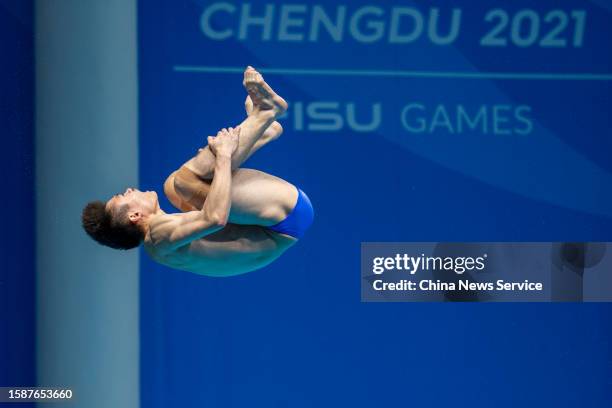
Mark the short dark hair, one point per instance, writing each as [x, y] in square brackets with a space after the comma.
[114, 231]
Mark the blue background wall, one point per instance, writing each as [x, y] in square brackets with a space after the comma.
[17, 285]
[295, 334]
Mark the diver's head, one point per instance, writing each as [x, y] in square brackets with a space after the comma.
[120, 222]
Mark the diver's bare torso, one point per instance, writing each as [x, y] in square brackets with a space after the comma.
[234, 250]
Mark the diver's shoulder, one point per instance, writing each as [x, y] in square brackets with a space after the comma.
[157, 238]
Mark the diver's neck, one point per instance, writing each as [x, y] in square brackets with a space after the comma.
[146, 223]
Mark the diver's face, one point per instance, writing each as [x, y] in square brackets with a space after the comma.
[141, 202]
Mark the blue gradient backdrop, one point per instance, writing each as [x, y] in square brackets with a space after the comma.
[295, 333]
[17, 274]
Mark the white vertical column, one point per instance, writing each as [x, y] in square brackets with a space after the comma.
[86, 148]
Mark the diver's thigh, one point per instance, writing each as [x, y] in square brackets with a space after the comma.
[259, 198]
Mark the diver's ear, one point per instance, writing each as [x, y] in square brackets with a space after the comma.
[134, 217]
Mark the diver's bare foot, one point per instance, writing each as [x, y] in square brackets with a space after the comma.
[263, 96]
[273, 131]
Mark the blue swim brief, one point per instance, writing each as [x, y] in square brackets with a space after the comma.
[298, 220]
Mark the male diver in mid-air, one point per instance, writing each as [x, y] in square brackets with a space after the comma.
[233, 220]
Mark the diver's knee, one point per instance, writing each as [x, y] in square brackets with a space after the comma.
[184, 183]
[190, 188]
[171, 193]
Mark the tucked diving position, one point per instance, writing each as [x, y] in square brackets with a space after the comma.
[232, 220]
